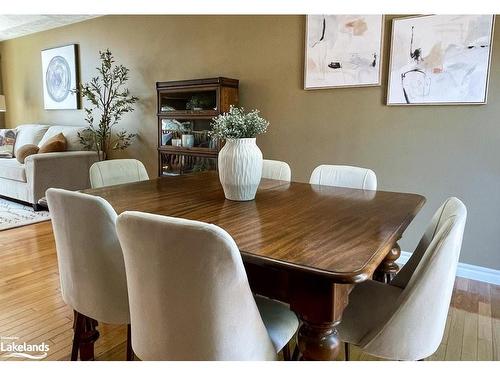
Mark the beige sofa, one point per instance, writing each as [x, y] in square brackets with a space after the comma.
[68, 170]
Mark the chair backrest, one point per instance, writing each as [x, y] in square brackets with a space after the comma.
[189, 293]
[344, 176]
[89, 255]
[439, 218]
[276, 170]
[117, 171]
[416, 327]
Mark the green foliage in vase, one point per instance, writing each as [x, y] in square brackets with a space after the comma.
[108, 96]
[238, 124]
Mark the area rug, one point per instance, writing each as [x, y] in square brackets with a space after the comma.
[13, 214]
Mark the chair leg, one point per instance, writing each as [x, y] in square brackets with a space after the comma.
[130, 351]
[286, 352]
[85, 335]
[88, 337]
[346, 351]
[77, 328]
[296, 353]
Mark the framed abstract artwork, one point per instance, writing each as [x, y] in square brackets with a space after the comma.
[343, 51]
[440, 60]
[59, 77]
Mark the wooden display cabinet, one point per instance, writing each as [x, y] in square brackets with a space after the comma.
[188, 107]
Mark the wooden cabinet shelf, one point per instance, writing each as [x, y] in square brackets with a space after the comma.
[198, 151]
[188, 107]
[206, 114]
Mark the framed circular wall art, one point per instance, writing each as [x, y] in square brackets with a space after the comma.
[59, 77]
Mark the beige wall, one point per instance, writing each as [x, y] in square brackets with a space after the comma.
[434, 151]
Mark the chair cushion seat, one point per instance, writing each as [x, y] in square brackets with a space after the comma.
[281, 323]
[13, 170]
[366, 310]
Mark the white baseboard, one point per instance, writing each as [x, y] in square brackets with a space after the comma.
[468, 271]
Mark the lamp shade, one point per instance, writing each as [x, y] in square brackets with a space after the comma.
[2, 103]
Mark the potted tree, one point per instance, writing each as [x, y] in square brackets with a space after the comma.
[108, 96]
[240, 160]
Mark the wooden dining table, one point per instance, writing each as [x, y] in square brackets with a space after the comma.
[306, 245]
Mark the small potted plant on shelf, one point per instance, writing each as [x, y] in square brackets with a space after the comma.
[174, 129]
[187, 139]
[195, 104]
[240, 160]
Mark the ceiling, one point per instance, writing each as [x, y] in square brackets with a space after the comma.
[14, 26]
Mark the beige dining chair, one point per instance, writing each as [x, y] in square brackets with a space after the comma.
[405, 320]
[117, 171]
[276, 170]
[344, 176]
[189, 294]
[90, 261]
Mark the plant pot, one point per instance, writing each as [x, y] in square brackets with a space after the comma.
[240, 168]
[187, 140]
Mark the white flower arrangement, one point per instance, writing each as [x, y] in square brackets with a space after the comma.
[238, 124]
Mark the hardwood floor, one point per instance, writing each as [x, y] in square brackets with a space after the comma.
[31, 307]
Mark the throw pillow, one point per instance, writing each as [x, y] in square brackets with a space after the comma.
[29, 134]
[69, 132]
[7, 140]
[55, 144]
[24, 151]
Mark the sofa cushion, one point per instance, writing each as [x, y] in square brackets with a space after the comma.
[12, 170]
[29, 134]
[69, 132]
[24, 151]
[55, 144]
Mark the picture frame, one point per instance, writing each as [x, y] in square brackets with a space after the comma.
[359, 38]
[434, 60]
[60, 77]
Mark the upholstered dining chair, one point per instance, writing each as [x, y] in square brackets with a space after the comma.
[189, 294]
[344, 176]
[405, 320]
[117, 171]
[276, 170]
[90, 260]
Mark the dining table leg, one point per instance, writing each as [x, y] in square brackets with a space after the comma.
[319, 305]
[388, 268]
[316, 300]
[318, 341]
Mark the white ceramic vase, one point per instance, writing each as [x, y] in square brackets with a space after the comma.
[240, 168]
